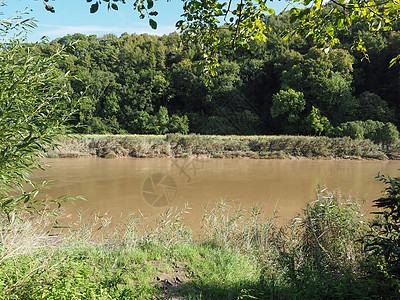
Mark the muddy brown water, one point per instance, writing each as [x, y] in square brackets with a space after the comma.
[151, 185]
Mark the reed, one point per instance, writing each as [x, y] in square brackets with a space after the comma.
[257, 147]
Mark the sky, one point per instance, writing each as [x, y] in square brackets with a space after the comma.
[73, 16]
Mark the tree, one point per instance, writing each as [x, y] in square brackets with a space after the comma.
[325, 81]
[34, 106]
[288, 104]
[326, 23]
[316, 123]
[373, 107]
[135, 75]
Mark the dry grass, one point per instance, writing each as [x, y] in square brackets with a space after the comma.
[264, 147]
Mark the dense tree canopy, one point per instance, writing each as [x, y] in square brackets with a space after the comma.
[148, 84]
[327, 22]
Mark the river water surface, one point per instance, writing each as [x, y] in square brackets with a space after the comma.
[151, 185]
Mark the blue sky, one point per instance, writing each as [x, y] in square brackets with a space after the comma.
[73, 16]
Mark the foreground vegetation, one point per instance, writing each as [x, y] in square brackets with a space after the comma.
[239, 254]
[175, 145]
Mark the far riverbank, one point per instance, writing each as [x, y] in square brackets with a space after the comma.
[254, 147]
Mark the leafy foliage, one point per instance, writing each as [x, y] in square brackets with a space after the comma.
[373, 130]
[383, 240]
[34, 105]
[128, 80]
[288, 103]
[327, 23]
[316, 123]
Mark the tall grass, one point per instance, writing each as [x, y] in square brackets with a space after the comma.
[239, 254]
[175, 145]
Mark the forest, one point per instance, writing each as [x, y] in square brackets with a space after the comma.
[144, 84]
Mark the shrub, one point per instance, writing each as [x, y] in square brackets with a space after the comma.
[373, 130]
[353, 129]
[162, 120]
[329, 228]
[178, 124]
[389, 133]
[383, 239]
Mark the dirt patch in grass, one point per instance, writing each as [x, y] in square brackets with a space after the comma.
[171, 282]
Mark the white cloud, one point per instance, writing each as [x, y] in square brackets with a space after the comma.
[53, 31]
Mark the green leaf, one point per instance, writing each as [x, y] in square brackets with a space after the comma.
[270, 11]
[330, 31]
[153, 24]
[94, 7]
[114, 6]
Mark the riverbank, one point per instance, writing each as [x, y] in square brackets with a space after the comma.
[255, 147]
[239, 255]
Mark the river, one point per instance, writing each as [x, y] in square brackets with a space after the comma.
[151, 185]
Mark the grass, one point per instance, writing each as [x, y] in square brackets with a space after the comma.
[239, 254]
[264, 147]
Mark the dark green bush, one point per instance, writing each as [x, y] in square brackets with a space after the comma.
[383, 240]
[389, 133]
[373, 130]
[178, 124]
[353, 129]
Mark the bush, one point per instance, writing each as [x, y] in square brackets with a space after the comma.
[373, 130]
[178, 124]
[383, 239]
[144, 123]
[354, 129]
[389, 133]
[329, 228]
[162, 121]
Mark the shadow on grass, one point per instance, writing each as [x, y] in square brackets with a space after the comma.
[197, 289]
[309, 285]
